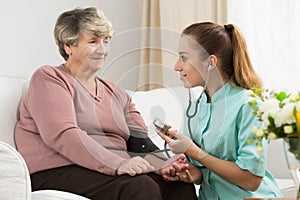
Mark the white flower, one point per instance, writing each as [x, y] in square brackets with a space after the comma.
[265, 119]
[269, 108]
[288, 129]
[259, 133]
[269, 104]
[286, 101]
[272, 136]
[285, 115]
[294, 97]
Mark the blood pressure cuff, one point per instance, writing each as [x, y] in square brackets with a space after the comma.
[139, 143]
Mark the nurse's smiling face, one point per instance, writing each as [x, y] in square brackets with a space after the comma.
[191, 68]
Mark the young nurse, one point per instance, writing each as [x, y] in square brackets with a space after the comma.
[218, 124]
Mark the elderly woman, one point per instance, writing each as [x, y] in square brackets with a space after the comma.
[74, 126]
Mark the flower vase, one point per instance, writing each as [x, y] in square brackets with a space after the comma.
[292, 154]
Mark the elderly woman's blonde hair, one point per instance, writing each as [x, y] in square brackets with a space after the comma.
[70, 23]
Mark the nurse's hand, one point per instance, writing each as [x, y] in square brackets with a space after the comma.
[179, 143]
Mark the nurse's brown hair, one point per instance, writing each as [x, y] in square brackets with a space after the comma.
[229, 46]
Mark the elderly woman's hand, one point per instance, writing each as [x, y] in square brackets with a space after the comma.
[174, 165]
[134, 166]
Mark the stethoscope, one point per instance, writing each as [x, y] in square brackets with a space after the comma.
[192, 115]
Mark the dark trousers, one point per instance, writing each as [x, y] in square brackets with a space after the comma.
[98, 186]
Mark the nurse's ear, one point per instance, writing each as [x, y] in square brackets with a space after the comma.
[212, 60]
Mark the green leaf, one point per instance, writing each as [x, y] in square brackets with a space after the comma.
[281, 96]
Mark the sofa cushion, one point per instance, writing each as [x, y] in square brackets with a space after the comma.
[165, 103]
[10, 92]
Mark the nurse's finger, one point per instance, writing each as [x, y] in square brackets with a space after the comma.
[172, 133]
[164, 136]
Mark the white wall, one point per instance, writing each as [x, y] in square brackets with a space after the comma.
[27, 34]
[271, 28]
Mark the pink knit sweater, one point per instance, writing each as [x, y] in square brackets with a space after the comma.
[61, 123]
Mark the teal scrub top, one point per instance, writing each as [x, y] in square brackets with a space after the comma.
[222, 129]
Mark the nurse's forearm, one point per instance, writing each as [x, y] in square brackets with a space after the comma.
[226, 169]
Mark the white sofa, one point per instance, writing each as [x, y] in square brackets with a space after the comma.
[14, 176]
[167, 104]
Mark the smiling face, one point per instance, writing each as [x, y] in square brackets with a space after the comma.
[89, 53]
[191, 68]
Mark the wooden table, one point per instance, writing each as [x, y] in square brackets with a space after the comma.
[270, 199]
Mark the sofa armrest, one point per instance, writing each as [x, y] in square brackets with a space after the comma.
[14, 175]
